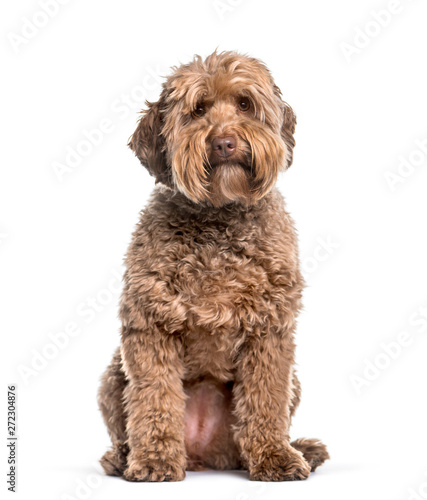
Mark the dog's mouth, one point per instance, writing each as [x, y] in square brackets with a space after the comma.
[243, 160]
[227, 163]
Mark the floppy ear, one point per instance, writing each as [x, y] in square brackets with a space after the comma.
[288, 130]
[288, 125]
[148, 144]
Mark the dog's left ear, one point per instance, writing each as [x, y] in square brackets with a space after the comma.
[149, 145]
[288, 126]
[288, 130]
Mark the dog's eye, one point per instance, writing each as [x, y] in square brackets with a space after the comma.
[199, 110]
[244, 104]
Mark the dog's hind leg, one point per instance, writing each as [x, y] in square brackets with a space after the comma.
[110, 400]
[296, 394]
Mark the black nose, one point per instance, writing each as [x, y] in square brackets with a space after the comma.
[224, 146]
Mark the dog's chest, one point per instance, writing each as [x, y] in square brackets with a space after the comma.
[217, 277]
[223, 288]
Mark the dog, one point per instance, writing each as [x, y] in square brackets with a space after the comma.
[205, 376]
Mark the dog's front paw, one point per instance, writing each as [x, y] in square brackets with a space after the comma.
[153, 471]
[286, 464]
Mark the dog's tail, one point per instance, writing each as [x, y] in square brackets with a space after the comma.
[314, 451]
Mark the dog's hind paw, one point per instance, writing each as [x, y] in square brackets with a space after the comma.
[314, 451]
[114, 461]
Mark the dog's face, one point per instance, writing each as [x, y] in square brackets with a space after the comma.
[220, 132]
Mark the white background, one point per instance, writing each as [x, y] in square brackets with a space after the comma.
[62, 238]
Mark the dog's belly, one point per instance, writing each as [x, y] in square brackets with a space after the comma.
[207, 421]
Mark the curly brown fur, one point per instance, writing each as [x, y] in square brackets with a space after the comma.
[205, 374]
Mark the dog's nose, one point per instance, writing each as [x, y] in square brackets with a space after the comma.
[224, 146]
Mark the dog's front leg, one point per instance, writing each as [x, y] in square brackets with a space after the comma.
[155, 405]
[262, 396]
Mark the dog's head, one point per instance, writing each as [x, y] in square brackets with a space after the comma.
[220, 132]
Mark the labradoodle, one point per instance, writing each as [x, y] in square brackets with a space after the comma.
[205, 375]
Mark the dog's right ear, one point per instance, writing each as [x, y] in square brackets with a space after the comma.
[149, 145]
